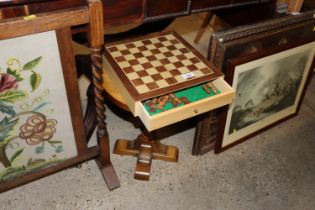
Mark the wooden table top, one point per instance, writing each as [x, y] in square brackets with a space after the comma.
[122, 12]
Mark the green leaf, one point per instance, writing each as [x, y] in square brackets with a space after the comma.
[37, 163]
[55, 142]
[29, 161]
[15, 73]
[5, 127]
[35, 80]
[4, 108]
[12, 96]
[30, 65]
[40, 106]
[16, 154]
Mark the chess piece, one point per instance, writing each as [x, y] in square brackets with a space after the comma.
[151, 104]
[148, 103]
[162, 101]
[174, 100]
[184, 100]
[212, 87]
[205, 88]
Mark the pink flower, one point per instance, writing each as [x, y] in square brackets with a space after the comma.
[7, 81]
[37, 129]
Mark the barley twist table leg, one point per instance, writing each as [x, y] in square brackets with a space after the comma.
[102, 134]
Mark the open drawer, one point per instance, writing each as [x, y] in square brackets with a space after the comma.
[157, 120]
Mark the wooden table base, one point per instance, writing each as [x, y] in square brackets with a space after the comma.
[146, 149]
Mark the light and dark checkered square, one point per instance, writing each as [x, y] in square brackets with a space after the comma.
[157, 62]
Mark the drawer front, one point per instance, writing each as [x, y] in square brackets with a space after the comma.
[160, 9]
[173, 115]
[118, 12]
[201, 4]
[207, 5]
[10, 12]
[189, 110]
[55, 5]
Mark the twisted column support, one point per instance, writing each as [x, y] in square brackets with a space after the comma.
[96, 38]
[97, 72]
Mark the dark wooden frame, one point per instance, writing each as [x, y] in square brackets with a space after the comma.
[222, 116]
[228, 44]
[90, 15]
[231, 43]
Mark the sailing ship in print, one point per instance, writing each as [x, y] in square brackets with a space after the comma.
[267, 89]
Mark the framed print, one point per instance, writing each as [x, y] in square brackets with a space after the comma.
[269, 88]
[245, 40]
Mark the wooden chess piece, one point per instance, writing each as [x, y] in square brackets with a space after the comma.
[184, 100]
[175, 98]
[211, 86]
[205, 88]
[162, 101]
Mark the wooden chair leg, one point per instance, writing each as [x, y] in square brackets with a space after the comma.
[203, 26]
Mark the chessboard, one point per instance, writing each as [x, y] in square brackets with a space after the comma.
[158, 64]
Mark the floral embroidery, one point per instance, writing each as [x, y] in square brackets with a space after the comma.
[7, 82]
[37, 129]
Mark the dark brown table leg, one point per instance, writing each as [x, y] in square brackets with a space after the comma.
[96, 42]
[103, 161]
[203, 26]
[146, 148]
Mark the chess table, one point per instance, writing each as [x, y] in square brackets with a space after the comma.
[135, 12]
[153, 67]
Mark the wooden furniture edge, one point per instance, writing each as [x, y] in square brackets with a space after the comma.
[96, 40]
[43, 22]
[64, 39]
[295, 5]
[22, 180]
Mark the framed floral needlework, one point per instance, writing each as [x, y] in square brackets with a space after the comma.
[42, 129]
[41, 121]
[35, 123]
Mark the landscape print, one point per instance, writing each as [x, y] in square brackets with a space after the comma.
[268, 91]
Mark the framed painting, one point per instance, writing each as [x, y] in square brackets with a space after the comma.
[41, 122]
[245, 40]
[269, 88]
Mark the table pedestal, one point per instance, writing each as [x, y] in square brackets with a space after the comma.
[146, 148]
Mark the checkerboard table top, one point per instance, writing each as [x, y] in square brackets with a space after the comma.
[158, 64]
